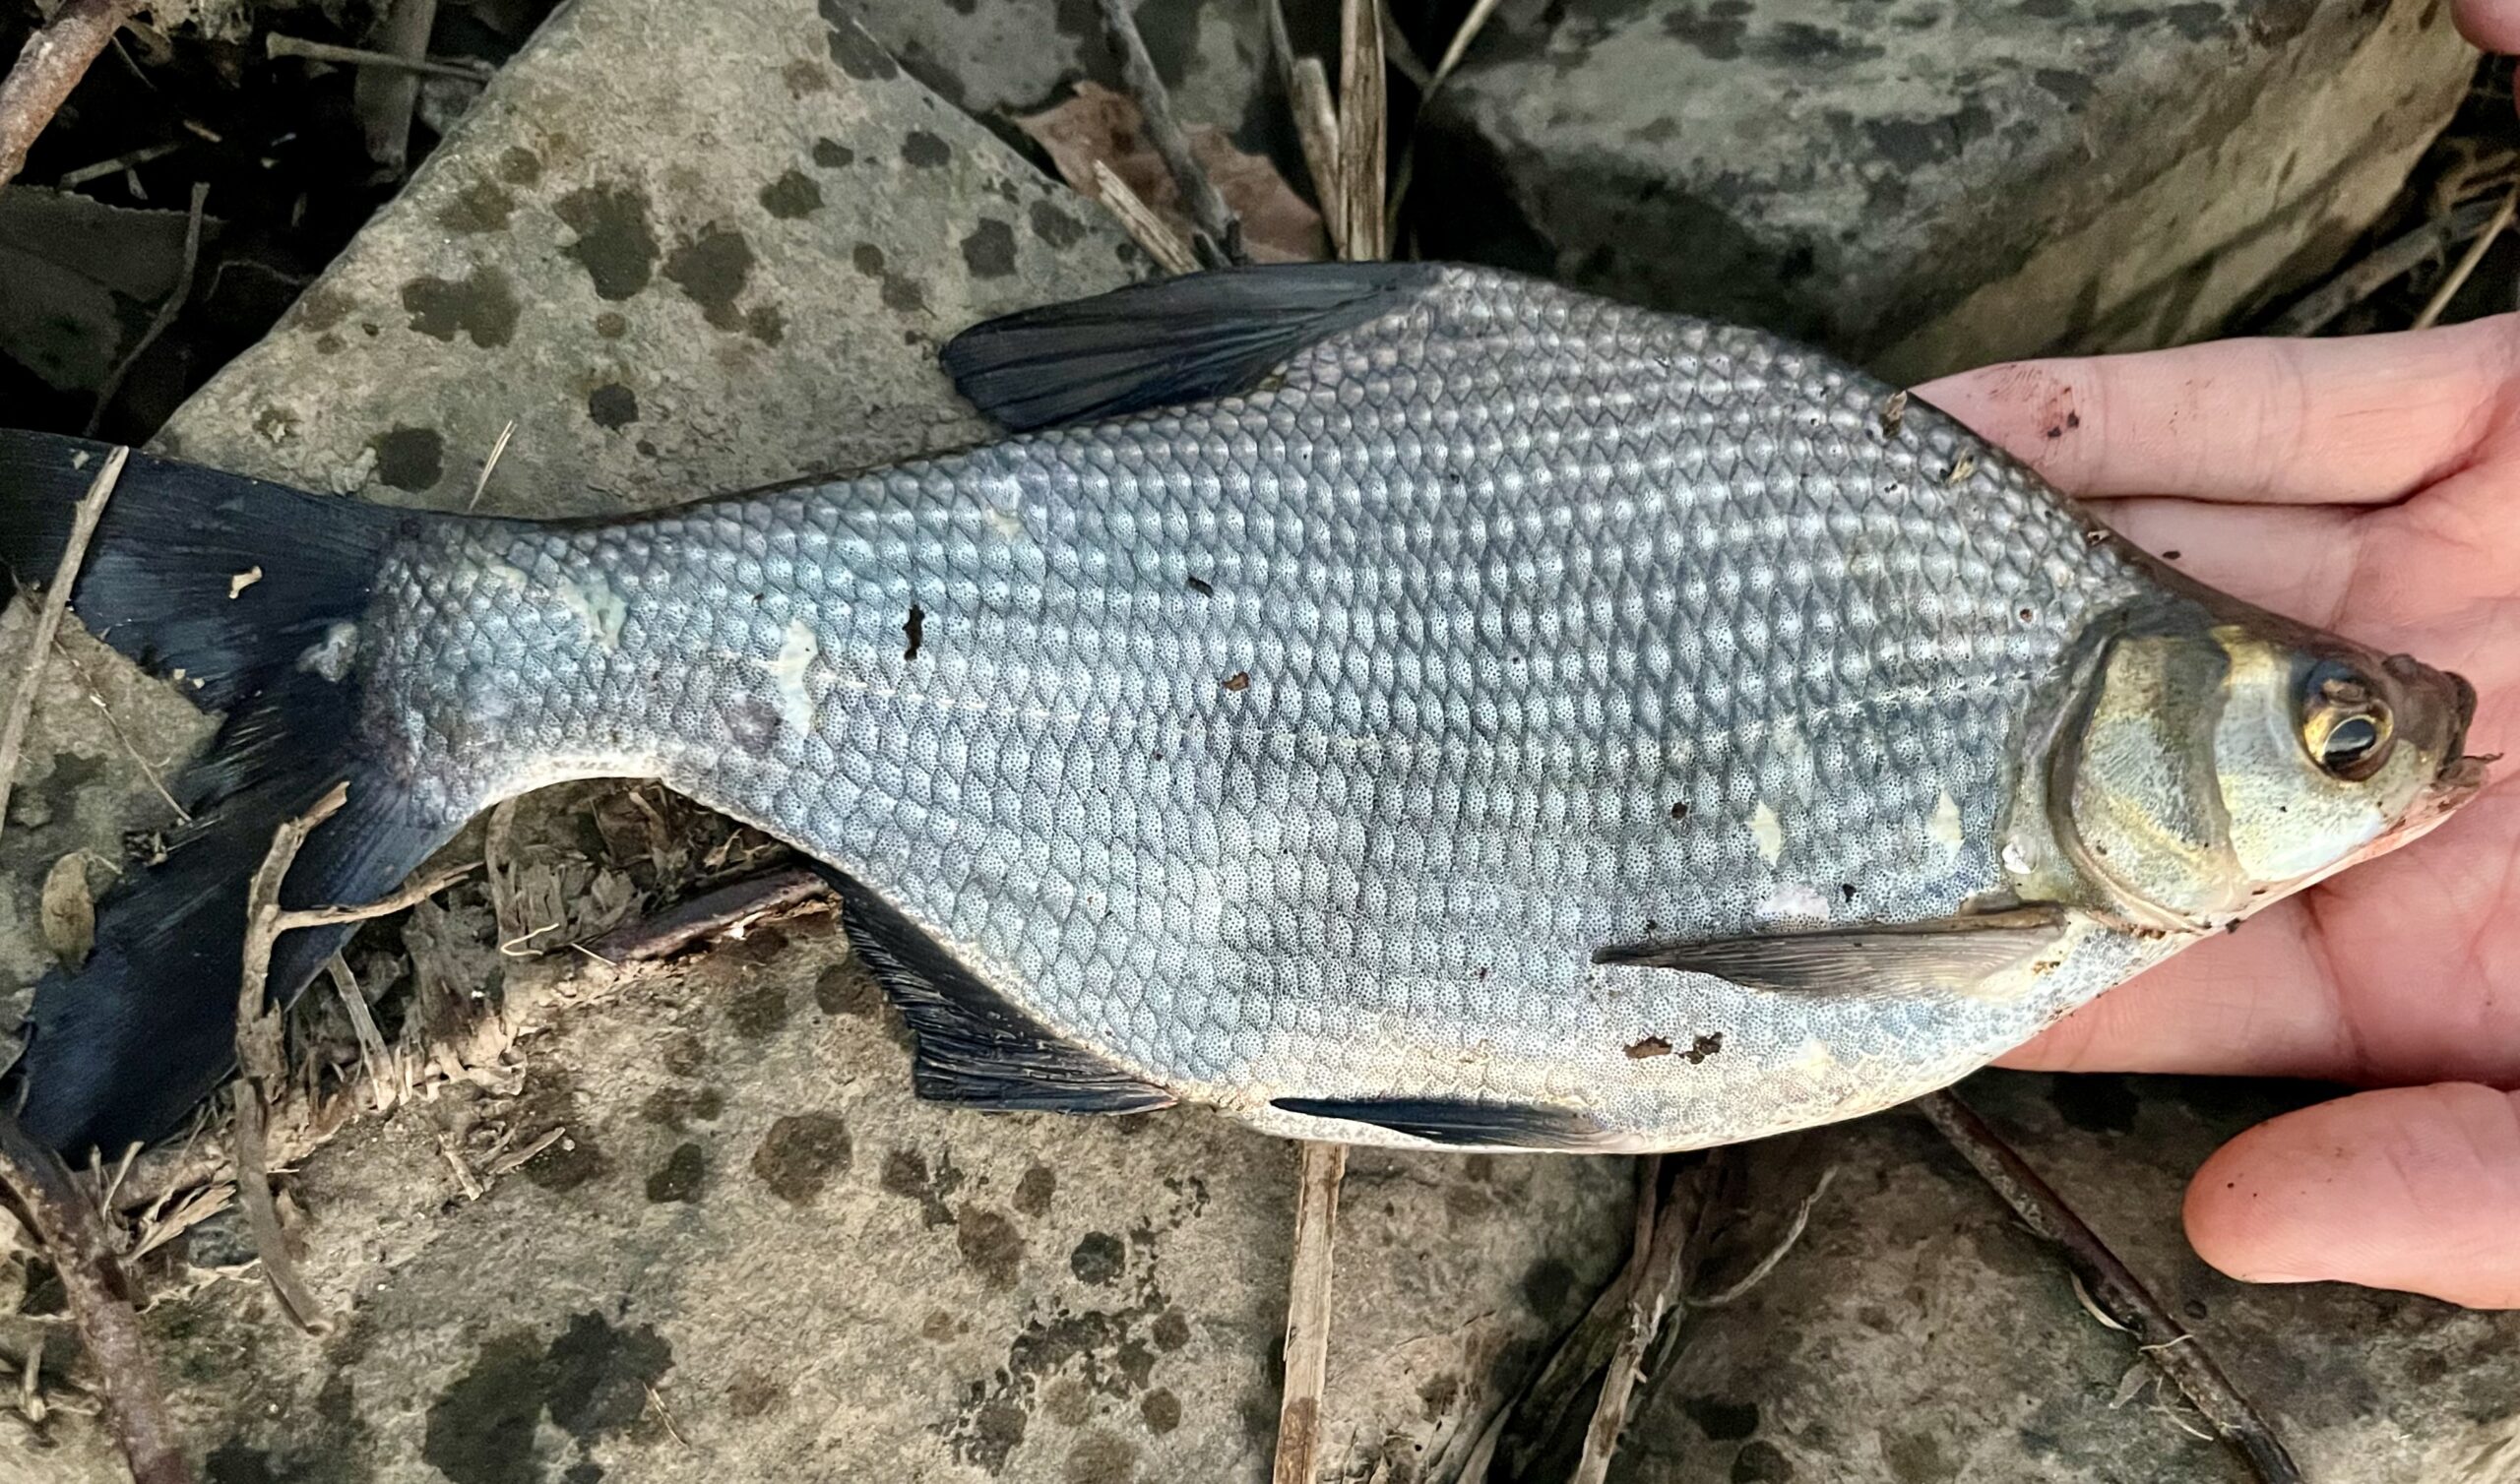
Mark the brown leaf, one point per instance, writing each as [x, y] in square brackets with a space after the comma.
[68, 912]
[1277, 225]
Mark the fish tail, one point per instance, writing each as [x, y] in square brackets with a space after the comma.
[249, 596]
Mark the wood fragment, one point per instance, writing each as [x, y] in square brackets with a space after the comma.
[1307, 1354]
[462, 71]
[1149, 231]
[2457, 277]
[48, 66]
[119, 164]
[710, 915]
[384, 99]
[167, 309]
[56, 602]
[375, 1061]
[104, 1304]
[1217, 240]
[1664, 1224]
[2113, 1287]
[2382, 267]
[1317, 130]
[1361, 123]
[1463, 35]
[1759, 1272]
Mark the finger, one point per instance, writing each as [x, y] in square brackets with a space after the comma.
[2494, 25]
[2360, 420]
[2410, 1187]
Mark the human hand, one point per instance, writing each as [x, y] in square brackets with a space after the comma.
[2370, 487]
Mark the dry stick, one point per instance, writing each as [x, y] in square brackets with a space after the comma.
[709, 914]
[1360, 129]
[1307, 1352]
[373, 1057]
[1317, 129]
[167, 309]
[384, 99]
[2384, 267]
[102, 1303]
[277, 45]
[53, 62]
[1219, 239]
[1152, 233]
[2163, 1339]
[1662, 1246]
[2467, 265]
[56, 601]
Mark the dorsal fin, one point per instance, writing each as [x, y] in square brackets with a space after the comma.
[974, 1047]
[1166, 343]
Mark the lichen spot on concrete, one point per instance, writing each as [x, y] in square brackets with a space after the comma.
[482, 304]
[832, 154]
[793, 195]
[1944, 828]
[859, 54]
[713, 267]
[989, 251]
[795, 700]
[1768, 832]
[924, 150]
[410, 459]
[615, 245]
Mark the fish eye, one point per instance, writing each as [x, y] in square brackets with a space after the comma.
[2345, 725]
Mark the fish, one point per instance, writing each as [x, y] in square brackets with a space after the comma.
[1398, 704]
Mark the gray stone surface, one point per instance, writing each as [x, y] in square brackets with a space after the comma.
[1929, 184]
[753, 1255]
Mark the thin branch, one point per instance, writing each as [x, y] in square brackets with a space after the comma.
[2383, 267]
[1663, 1229]
[56, 601]
[384, 99]
[1307, 1352]
[51, 64]
[1467, 33]
[277, 45]
[710, 915]
[1219, 241]
[2457, 277]
[102, 1303]
[167, 309]
[1767, 1265]
[1317, 129]
[1149, 230]
[2115, 1287]
[498, 446]
[373, 1057]
[1361, 126]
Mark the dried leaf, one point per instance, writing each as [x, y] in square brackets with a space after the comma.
[68, 912]
[1277, 225]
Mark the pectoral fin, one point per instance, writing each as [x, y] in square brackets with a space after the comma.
[1948, 954]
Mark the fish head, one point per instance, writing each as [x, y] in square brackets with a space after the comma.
[2218, 761]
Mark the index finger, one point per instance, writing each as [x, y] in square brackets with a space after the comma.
[2365, 419]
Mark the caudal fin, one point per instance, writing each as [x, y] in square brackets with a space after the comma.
[253, 594]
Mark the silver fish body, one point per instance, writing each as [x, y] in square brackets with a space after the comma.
[1301, 751]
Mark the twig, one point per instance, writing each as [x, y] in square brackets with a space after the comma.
[167, 309]
[56, 601]
[498, 446]
[101, 169]
[1663, 1229]
[2467, 263]
[2115, 1287]
[709, 914]
[373, 1058]
[494, 868]
[1360, 129]
[277, 45]
[1152, 233]
[2383, 267]
[1402, 56]
[1404, 172]
[1317, 128]
[384, 99]
[1308, 1351]
[102, 1303]
[97, 697]
[1463, 35]
[1219, 239]
[1767, 1265]
[51, 64]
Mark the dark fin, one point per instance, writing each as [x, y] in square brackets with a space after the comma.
[1948, 954]
[1166, 343]
[974, 1048]
[123, 1050]
[1463, 1123]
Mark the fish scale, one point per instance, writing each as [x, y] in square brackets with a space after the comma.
[1507, 572]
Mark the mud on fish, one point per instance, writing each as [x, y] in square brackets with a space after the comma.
[1389, 703]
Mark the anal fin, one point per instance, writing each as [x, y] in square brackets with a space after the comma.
[1463, 1122]
[1949, 954]
[976, 1048]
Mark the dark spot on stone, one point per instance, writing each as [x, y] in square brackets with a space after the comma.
[1160, 1410]
[1172, 1332]
[1032, 1192]
[481, 304]
[598, 1376]
[684, 1056]
[1069, 1401]
[1102, 1459]
[1436, 1395]
[903, 295]
[328, 345]
[858, 54]
[676, 1108]
[480, 207]
[1714, 29]
[867, 259]
[832, 154]
[1547, 1286]
[1723, 1421]
[647, 449]
[1915, 1458]
[571, 1161]
[847, 989]
[905, 1174]
[410, 459]
[322, 308]
[2198, 21]
[2048, 10]
[1816, 46]
[519, 166]
[713, 268]
[1098, 1258]
[2072, 87]
[615, 245]
[1704, 1046]
[753, 1395]
[480, 1429]
[1761, 1463]
[791, 195]
[803, 77]
[1911, 143]
[2097, 1102]
[236, 1463]
[990, 1245]
[998, 1430]
[612, 405]
[1651, 1046]
[924, 151]
[989, 251]
[758, 1011]
[1468, 1202]
[939, 1325]
[765, 323]
[678, 1178]
[801, 1154]
[611, 323]
[1054, 226]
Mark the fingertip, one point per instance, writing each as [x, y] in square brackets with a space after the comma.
[2408, 1188]
[2494, 25]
